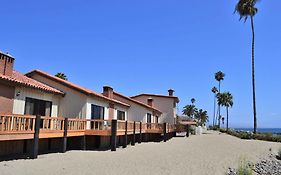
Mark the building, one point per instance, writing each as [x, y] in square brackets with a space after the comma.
[22, 95]
[167, 104]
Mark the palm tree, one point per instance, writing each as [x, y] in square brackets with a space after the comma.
[215, 91]
[219, 76]
[225, 99]
[189, 110]
[246, 8]
[61, 75]
[201, 116]
[193, 100]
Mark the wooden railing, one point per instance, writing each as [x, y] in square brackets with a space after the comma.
[26, 124]
[98, 124]
[17, 123]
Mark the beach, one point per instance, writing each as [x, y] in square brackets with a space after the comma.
[210, 153]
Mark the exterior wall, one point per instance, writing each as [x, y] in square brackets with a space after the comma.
[99, 102]
[6, 99]
[19, 101]
[73, 104]
[165, 105]
[136, 112]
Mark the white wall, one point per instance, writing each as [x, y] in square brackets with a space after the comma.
[165, 105]
[73, 104]
[19, 101]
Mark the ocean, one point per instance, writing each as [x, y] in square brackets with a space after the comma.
[274, 131]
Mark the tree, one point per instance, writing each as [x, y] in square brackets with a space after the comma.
[201, 116]
[225, 99]
[189, 110]
[219, 76]
[246, 8]
[215, 91]
[61, 75]
[193, 100]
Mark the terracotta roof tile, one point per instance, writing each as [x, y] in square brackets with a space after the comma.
[74, 86]
[21, 79]
[156, 95]
[138, 102]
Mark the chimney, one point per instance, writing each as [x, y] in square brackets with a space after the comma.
[6, 64]
[171, 92]
[108, 91]
[150, 102]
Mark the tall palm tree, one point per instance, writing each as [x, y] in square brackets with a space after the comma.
[225, 99]
[189, 110]
[219, 76]
[61, 75]
[201, 116]
[215, 91]
[246, 8]
[193, 100]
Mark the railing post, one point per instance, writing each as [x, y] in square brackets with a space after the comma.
[113, 134]
[140, 138]
[187, 130]
[134, 135]
[35, 146]
[126, 135]
[165, 132]
[64, 139]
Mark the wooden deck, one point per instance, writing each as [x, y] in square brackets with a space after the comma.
[18, 127]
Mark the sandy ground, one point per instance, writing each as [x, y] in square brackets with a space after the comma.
[209, 154]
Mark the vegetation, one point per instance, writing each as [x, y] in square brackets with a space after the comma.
[219, 76]
[201, 116]
[61, 75]
[244, 168]
[215, 91]
[225, 99]
[193, 100]
[189, 110]
[246, 9]
[247, 135]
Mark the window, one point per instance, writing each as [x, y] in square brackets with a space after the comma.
[120, 115]
[37, 107]
[148, 119]
[97, 112]
[156, 119]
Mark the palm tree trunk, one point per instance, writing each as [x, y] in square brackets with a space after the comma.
[253, 75]
[214, 110]
[219, 108]
[226, 118]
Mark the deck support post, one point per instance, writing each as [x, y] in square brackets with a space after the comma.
[125, 142]
[113, 134]
[83, 143]
[187, 130]
[35, 145]
[165, 132]
[134, 135]
[64, 139]
[140, 137]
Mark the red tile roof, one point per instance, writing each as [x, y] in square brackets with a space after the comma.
[156, 95]
[137, 102]
[21, 79]
[74, 86]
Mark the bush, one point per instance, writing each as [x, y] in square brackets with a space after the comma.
[215, 127]
[244, 168]
[248, 135]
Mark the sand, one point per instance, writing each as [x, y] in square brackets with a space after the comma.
[209, 154]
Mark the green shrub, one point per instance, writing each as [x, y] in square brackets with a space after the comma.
[244, 168]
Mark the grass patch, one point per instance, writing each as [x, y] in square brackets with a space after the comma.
[244, 168]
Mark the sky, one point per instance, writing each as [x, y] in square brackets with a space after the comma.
[152, 46]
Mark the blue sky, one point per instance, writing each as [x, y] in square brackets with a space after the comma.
[151, 46]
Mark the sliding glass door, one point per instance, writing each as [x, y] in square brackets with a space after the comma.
[37, 107]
